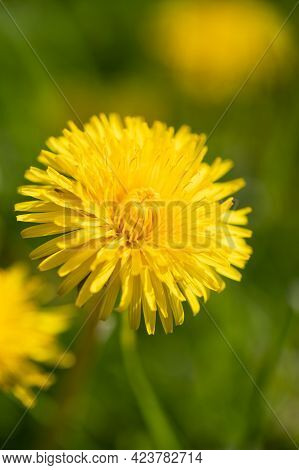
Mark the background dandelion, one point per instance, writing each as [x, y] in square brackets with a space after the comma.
[97, 50]
[28, 337]
[212, 46]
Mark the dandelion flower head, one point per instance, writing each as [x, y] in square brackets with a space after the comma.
[212, 46]
[137, 220]
[28, 336]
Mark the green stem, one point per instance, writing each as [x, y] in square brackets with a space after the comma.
[253, 430]
[73, 380]
[153, 415]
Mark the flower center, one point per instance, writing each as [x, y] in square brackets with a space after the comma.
[137, 216]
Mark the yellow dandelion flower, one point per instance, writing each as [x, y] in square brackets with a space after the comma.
[213, 46]
[138, 213]
[27, 336]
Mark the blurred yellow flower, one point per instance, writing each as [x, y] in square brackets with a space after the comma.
[139, 212]
[27, 336]
[213, 46]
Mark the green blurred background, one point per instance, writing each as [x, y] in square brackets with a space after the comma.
[97, 53]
